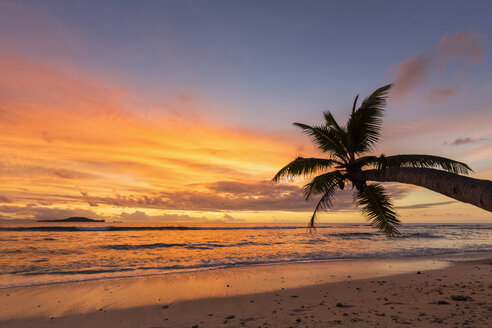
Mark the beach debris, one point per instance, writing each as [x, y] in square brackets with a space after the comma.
[419, 272]
[460, 298]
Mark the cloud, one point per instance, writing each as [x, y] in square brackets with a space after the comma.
[467, 45]
[4, 199]
[426, 205]
[464, 141]
[143, 217]
[440, 95]
[69, 174]
[412, 73]
[235, 196]
[216, 196]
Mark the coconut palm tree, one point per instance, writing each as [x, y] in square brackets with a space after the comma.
[347, 162]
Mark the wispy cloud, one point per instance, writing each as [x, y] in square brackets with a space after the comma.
[439, 95]
[426, 205]
[412, 73]
[4, 199]
[464, 141]
[142, 216]
[233, 196]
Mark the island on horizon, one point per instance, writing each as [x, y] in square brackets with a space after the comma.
[73, 219]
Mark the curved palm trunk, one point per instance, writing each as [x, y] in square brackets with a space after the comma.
[465, 189]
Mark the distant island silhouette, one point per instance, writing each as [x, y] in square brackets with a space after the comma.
[73, 219]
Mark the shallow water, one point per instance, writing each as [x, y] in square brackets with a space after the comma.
[39, 253]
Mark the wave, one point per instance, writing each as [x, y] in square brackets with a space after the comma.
[352, 234]
[418, 235]
[368, 235]
[183, 245]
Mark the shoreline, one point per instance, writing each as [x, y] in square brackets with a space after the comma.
[441, 257]
[24, 306]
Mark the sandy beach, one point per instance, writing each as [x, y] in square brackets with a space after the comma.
[419, 292]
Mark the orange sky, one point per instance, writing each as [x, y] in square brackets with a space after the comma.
[82, 133]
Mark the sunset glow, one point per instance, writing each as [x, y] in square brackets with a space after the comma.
[94, 137]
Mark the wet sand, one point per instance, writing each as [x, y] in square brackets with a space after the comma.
[418, 292]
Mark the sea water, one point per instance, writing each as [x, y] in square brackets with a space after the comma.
[45, 253]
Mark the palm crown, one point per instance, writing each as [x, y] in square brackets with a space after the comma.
[346, 149]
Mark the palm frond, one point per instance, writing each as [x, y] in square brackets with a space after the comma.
[378, 208]
[364, 124]
[418, 160]
[304, 167]
[366, 161]
[355, 103]
[327, 139]
[341, 133]
[330, 120]
[324, 204]
[323, 182]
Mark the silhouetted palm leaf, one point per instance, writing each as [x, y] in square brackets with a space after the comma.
[364, 124]
[304, 167]
[324, 203]
[417, 160]
[323, 182]
[378, 209]
[326, 139]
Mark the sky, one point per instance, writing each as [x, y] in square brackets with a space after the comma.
[183, 110]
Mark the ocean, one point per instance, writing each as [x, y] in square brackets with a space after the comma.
[46, 253]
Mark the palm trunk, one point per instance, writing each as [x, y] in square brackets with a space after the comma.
[465, 189]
